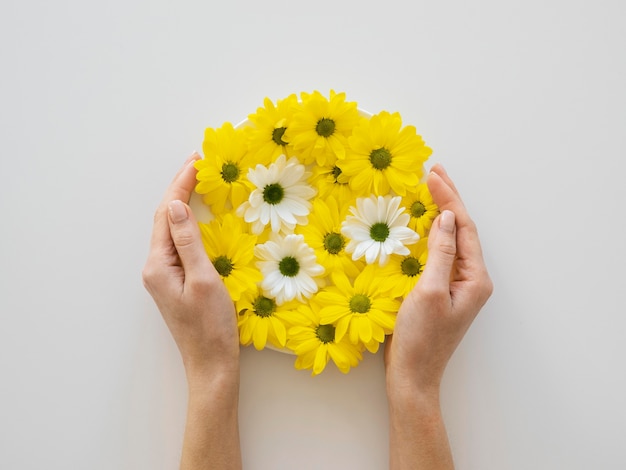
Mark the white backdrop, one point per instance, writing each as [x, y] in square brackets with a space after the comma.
[101, 102]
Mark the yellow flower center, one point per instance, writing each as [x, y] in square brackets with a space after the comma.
[360, 303]
[325, 333]
[289, 266]
[277, 136]
[379, 231]
[334, 243]
[223, 265]
[230, 172]
[411, 266]
[264, 307]
[273, 193]
[380, 158]
[325, 127]
[418, 209]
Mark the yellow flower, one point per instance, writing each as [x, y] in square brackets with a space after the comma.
[323, 234]
[315, 344]
[269, 123]
[262, 320]
[401, 274]
[421, 208]
[331, 182]
[383, 156]
[221, 173]
[320, 127]
[231, 250]
[362, 310]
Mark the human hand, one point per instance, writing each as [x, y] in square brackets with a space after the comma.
[453, 288]
[188, 291]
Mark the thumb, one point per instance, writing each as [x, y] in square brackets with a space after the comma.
[187, 240]
[441, 250]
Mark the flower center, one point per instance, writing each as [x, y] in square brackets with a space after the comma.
[289, 266]
[411, 267]
[230, 172]
[325, 333]
[223, 265]
[325, 127]
[336, 172]
[334, 243]
[379, 231]
[277, 135]
[418, 209]
[380, 158]
[264, 307]
[273, 193]
[360, 304]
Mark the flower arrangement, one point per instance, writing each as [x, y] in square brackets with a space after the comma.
[320, 224]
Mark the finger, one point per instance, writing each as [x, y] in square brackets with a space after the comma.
[442, 251]
[440, 170]
[469, 252]
[188, 242]
[179, 189]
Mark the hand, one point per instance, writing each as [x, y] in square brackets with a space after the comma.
[185, 286]
[431, 322]
[200, 315]
[451, 291]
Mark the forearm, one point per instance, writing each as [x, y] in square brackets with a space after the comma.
[212, 429]
[417, 434]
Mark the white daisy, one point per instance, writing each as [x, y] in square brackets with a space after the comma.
[289, 267]
[281, 196]
[377, 229]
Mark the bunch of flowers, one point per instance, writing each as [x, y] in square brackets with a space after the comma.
[320, 224]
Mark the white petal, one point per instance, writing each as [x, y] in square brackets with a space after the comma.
[372, 252]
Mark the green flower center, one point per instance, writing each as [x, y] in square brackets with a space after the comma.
[273, 193]
[418, 209]
[336, 172]
[360, 303]
[334, 243]
[325, 333]
[223, 265]
[325, 127]
[264, 307]
[380, 158]
[289, 266]
[230, 172]
[379, 231]
[411, 266]
[277, 135]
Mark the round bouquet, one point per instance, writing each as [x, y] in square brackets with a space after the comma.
[319, 224]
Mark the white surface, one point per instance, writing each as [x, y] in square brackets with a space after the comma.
[100, 103]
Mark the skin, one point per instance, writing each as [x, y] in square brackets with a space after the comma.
[201, 317]
[431, 323]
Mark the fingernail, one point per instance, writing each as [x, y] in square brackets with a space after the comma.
[194, 156]
[446, 221]
[178, 212]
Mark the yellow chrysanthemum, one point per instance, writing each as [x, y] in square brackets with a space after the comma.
[320, 127]
[262, 320]
[315, 344]
[421, 208]
[329, 181]
[323, 234]
[269, 123]
[222, 172]
[231, 250]
[382, 156]
[401, 274]
[362, 310]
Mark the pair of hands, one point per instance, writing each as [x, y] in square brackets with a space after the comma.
[430, 324]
